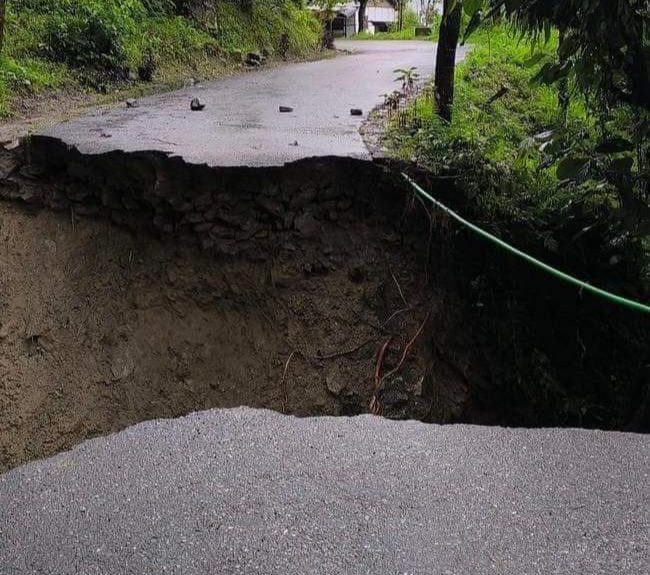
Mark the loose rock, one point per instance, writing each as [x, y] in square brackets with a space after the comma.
[303, 198]
[306, 225]
[122, 364]
[271, 207]
[254, 59]
[197, 105]
[335, 382]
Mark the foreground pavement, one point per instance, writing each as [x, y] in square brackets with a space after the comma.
[241, 124]
[246, 491]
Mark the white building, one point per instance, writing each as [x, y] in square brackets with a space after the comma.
[380, 14]
[345, 21]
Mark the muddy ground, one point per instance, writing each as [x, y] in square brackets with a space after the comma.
[102, 327]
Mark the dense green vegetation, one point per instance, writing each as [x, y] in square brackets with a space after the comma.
[558, 167]
[52, 43]
[502, 150]
[491, 137]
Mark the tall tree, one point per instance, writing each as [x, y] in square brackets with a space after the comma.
[363, 4]
[564, 99]
[446, 57]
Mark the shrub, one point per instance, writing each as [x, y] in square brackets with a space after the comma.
[410, 21]
[26, 76]
[175, 39]
[96, 34]
[262, 24]
[113, 37]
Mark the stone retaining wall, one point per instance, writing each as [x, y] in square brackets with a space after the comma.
[225, 210]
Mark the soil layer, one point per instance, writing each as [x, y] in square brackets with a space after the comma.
[134, 286]
[103, 327]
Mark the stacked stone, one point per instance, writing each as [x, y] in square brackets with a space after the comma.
[227, 210]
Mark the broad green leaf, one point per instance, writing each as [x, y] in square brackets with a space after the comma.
[614, 146]
[471, 7]
[551, 73]
[535, 59]
[474, 23]
[623, 165]
[570, 167]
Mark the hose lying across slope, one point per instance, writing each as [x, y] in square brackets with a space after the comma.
[631, 304]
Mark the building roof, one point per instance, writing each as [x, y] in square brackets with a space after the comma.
[348, 10]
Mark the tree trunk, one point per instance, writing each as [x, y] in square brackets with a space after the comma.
[362, 15]
[3, 12]
[446, 57]
[563, 97]
[636, 68]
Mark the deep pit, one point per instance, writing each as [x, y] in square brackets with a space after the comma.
[135, 286]
[267, 288]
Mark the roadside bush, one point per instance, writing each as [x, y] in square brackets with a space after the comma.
[95, 34]
[497, 112]
[175, 39]
[26, 76]
[114, 37]
[100, 41]
[106, 37]
[498, 155]
[262, 25]
[410, 21]
[160, 7]
[90, 40]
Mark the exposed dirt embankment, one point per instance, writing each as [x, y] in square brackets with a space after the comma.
[135, 286]
[269, 288]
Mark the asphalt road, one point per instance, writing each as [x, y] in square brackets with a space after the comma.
[254, 492]
[242, 125]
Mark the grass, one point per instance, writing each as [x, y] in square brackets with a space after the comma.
[27, 75]
[487, 163]
[103, 44]
[492, 156]
[405, 34]
[262, 27]
[490, 146]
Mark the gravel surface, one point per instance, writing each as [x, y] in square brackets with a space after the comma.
[255, 492]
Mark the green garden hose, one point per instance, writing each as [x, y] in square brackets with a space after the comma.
[631, 304]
